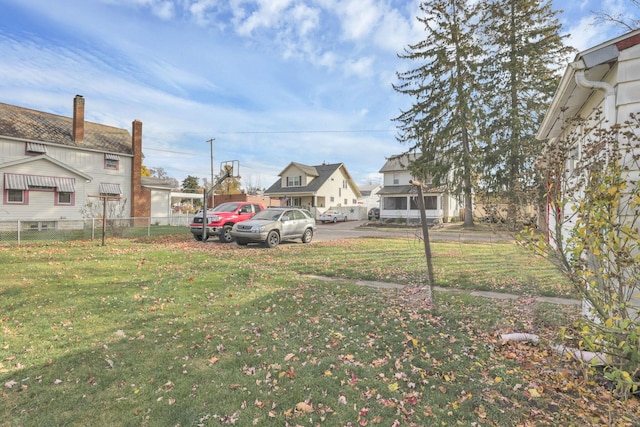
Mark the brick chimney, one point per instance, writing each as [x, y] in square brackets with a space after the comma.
[140, 206]
[78, 118]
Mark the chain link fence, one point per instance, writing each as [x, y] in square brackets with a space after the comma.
[18, 231]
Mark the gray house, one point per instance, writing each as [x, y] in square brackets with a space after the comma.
[398, 196]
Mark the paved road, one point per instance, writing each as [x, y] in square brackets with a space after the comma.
[351, 229]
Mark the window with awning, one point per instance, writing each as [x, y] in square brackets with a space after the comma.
[110, 189]
[31, 182]
[111, 161]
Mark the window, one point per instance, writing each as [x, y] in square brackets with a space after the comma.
[339, 192]
[396, 179]
[395, 203]
[295, 201]
[345, 202]
[15, 196]
[111, 161]
[344, 183]
[64, 198]
[331, 199]
[430, 203]
[294, 181]
[38, 225]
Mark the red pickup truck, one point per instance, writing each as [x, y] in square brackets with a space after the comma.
[220, 219]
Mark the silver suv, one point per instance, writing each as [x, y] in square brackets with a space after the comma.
[273, 225]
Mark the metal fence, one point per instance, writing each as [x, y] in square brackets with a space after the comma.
[18, 231]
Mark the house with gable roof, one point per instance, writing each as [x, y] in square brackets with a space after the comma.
[51, 165]
[398, 197]
[315, 187]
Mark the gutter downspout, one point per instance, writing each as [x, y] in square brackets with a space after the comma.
[610, 93]
[609, 116]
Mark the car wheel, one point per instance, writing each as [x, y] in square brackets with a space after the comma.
[307, 236]
[198, 237]
[225, 234]
[242, 242]
[335, 219]
[273, 239]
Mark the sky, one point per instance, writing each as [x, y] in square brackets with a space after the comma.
[269, 81]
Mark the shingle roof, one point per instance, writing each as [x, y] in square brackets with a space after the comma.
[31, 125]
[321, 172]
[399, 162]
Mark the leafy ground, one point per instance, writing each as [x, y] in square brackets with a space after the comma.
[171, 332]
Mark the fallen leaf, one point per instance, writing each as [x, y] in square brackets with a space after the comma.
[304, 407]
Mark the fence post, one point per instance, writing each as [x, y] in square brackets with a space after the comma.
[19, 232]
[149, 227]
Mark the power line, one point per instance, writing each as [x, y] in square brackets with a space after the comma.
[307, 131]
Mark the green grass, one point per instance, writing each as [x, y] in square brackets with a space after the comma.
[166, 332]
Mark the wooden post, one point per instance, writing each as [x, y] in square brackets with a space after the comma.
[425, 234]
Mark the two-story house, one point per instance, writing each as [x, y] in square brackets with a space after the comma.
[398, 197]
[50, 166]
[315, 187]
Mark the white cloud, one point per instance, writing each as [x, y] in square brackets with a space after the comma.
[267, 14]
[358, 17]
[361, 67]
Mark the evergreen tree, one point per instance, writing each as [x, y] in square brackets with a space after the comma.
[442, 122]
[520, 74]
[191, 184]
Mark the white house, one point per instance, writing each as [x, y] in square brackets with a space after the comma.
[604, 79]
[370, 197]
[315, 187]
[398, 197]
[51, 165]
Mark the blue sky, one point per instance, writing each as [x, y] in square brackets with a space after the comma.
[273, 81]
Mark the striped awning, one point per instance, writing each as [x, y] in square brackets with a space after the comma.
[111, 156]
[110, 189]
[66, 185]
[34, 147]
[25, 182]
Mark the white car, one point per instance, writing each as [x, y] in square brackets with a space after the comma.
[333, 216]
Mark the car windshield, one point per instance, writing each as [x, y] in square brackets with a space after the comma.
[226, 207]
[268, 215]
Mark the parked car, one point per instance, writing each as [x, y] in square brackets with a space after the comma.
[374, 213]
[332, 216]
[273, 225]
[220, 219]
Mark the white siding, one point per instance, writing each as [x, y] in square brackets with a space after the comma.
[41, 204]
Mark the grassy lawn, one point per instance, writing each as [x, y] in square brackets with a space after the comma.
[172, 332]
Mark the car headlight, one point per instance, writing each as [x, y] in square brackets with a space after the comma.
[259, 229]
[214, 218]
